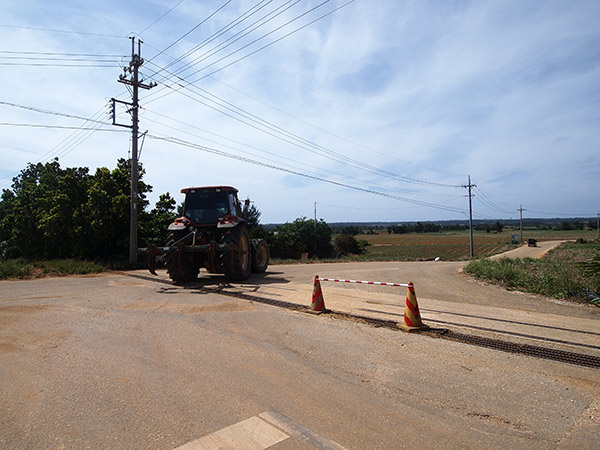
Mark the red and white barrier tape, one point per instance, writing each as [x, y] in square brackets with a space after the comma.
[378, 283]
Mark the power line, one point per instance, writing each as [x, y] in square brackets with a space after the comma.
[217, 33]
[98, 65]
[54, 126]
[555, 214]
[160, 18]
[236, 37]
[331, 133]
[76, 138]
[92, 55]
[87, 33]
[266, 45]
[362, 209]
[226, 108]
[240, 18]
[343, 177]
[177, 141]
[275, 130]
[55, 113]
[489, 202]
[194, 28]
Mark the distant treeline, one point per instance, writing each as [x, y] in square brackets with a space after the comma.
[490, 227]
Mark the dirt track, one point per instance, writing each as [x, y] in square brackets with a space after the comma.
[524, 251]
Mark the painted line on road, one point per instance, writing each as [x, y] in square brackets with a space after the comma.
[259, 433]
[250, 434]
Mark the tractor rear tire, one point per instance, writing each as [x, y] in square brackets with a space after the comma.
[260, 255]
[181, 267]
[237, 261]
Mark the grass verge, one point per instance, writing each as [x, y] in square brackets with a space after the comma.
[21, 268]
[559, 274]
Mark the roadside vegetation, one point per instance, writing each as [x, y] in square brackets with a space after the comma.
[22, 268]
[61, 221]
[570, 271]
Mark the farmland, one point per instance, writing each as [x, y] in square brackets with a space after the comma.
[453, 246]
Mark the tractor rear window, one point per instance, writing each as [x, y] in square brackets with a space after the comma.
[206, 207]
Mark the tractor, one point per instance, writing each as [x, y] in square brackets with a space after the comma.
[211, 234]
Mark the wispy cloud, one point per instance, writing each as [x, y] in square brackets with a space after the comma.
[504, 91]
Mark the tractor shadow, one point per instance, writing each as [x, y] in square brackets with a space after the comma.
[220, 284]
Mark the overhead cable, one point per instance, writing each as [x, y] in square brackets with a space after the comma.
[194, 28]
[294, 172]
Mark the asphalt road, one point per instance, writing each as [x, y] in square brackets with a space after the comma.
[120, 361]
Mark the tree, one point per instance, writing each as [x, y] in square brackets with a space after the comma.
[153, 225]
[36, 218]
[250, 213]
[57, 213]
[290, 240]
[347, 243]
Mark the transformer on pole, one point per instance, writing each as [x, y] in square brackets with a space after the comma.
[134, 81]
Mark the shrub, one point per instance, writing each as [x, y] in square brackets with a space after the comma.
[346, 243]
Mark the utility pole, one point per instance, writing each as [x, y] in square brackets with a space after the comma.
[134, 81]
[469, 186]
[598, 227]
[521, 221]
[315, 229]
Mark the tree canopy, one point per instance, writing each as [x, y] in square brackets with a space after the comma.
[52, 212]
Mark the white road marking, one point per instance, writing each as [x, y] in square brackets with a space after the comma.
[249, 434]
[260, 432]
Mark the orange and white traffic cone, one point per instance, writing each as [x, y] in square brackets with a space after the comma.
[412, 316]
[318, 302]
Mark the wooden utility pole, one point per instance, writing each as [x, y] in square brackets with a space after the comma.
[469, 186]
[134, 81]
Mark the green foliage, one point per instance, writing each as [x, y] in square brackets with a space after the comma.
[591, 267]
[251, 214]
[15, 268]
[21, 268]
[153, 225]
[290, 240]
[559, 275]
[347, 244]
[60, 213]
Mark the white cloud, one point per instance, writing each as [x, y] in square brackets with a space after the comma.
[503, 91]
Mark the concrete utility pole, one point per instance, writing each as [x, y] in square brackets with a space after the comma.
[521, 221]
[598, 227]
[135, 82]
[469, 186]
[315, 229]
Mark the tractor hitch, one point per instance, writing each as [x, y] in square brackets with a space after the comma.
[153, 251]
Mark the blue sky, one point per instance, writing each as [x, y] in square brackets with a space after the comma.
[377, 111]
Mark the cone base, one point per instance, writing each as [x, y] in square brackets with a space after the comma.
[405, 327]
[323, 311]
